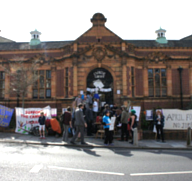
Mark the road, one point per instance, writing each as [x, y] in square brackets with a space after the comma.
[34, 162]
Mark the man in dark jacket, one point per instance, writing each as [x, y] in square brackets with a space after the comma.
[42, 125]
[89, 119]
[80, 124]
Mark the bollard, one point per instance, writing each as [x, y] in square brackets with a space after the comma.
[135, 139]
[188, 136]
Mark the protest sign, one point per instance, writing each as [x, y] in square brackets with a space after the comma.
[111, 128]
[176, 119]
[5, 116]
[149, 115]
[53, 112]
[137, 109]
[26, 118]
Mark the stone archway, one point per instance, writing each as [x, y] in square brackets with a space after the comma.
[101, 80]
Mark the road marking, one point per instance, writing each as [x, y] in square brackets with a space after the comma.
[36, 168]
[88, 171]
[160, 173]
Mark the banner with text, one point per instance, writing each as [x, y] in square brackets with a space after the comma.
[28, 118]
[176, 119]
[5, 116]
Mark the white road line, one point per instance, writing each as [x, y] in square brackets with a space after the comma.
[160, 173]
[36, 168]
[88, 171]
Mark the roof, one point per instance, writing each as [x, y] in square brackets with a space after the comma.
[59, 44]
[187, 38]
[2, 39]
[26, 46]
[153, 43]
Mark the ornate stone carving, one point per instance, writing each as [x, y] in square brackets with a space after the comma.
[99, 53]
[131, 48]
[157, 57]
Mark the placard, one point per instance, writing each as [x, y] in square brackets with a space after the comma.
[137, 109]
[111, 128]
[149, 115]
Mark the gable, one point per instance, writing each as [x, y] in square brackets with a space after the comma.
[98, 32]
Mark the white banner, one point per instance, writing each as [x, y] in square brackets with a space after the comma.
[26, 118]
[176, 119]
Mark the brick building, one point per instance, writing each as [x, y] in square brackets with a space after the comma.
[144, 71]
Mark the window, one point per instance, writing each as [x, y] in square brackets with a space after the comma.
[2, 84]
[66, 81]
[133, 81]
[42, 87]
[157, 82]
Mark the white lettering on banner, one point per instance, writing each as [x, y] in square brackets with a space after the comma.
[176, 119]
[26, 118]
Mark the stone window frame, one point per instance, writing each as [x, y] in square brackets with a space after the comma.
[133, 81]
[2, 84]
[66, 82]
[157, 88]
[42, 87]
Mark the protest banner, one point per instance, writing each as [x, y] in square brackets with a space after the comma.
[5, 116]
[176, 119]
[26, 118]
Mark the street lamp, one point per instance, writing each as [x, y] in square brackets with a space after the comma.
[181, 90]
[17, 97]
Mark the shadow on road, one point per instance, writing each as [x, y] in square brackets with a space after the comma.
[89, 151]
[182, 153]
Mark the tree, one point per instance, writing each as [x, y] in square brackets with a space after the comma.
[22, 75]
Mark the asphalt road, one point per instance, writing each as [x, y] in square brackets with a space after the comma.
[34, 162]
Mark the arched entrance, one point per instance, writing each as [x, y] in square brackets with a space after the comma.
[101, 80]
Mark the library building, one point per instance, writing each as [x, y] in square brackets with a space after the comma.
[150, 73]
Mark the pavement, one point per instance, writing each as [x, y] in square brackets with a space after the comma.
[92, 142]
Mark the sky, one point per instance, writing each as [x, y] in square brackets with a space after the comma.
[60, 20]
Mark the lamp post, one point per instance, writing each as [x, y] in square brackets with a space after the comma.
[180, 69]
[17, 96]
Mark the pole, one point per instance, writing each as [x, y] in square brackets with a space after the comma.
[181, 89]
[17, 99]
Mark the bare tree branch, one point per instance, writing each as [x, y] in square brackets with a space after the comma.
[22, 75]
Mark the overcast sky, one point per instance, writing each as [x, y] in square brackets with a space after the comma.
[60, 20]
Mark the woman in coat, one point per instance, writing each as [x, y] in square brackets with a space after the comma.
[159, 122]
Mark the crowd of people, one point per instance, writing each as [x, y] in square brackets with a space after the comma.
[86, 111]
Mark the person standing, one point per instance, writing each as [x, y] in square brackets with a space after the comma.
[78, 101]
[159, 122]
[67, 121]
[133, 123]
[108, 133]
[80, 124]
[89, 119]
[95, 109]
[41, 121]
[124, 121]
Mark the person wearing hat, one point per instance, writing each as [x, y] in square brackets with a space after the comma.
[124, 121]
[108, 133]
[133, 123]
